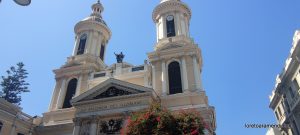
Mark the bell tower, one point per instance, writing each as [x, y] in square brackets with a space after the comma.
[177, 61]
[175, 50]
[172, 21]
[92, 35]
[91, 38]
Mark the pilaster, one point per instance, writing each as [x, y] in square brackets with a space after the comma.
[62, 93]
[164, 78]
[93, 129]
[196, 73]
[153, 77]
[78, 86]
[184, 74]
[77, 122]
[13, 130]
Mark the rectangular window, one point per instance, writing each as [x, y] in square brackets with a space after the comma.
[137, 68]
[287, 105]
[100, 75]
[296, 85]
[170, 26]
[284, 107]
[102, 52]
[291, 91]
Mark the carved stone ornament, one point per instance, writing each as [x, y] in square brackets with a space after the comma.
[111, 126]
[112, 92]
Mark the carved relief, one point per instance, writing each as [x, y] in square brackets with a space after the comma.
[112, 92]
[111, 126]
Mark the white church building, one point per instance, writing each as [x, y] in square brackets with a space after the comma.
[92, 98]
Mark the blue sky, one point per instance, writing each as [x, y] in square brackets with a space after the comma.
[244, 45]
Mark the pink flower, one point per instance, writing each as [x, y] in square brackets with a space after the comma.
[158, 119]
[195, 132]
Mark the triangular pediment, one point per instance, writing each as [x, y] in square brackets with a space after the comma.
[113, 92]
[170, 46]
[111, 88]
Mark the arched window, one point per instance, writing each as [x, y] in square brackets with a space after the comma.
[170, 26]
[71, 89]
[1, 125]
[175, 85]
[82, 43]
[102, 52]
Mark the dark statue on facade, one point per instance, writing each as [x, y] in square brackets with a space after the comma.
[120, 57]
[112, 126]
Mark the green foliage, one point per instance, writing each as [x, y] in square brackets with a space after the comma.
[14, 84]
[159, 121]
[190, 122]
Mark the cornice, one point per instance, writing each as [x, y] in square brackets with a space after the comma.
[174, 53]
[171, 6]
[88, 25]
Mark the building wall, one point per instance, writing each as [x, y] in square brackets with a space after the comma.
[285, 98]
[273, 131]
[14, 120]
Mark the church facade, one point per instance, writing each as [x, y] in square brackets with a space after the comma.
[91, 98]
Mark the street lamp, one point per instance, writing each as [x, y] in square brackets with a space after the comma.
[22, 2]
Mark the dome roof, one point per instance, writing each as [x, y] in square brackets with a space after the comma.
[95, 19]
[94, 22]
[96, 16]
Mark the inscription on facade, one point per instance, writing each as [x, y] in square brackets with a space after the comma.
[110, 106]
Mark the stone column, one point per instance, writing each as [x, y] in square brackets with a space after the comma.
[89, 42]
[75, 45]
[54, 98]
[196, 74]
[61, 96]
[184, 74]
[163, 78]
[153, 78]
[178, 24]
[164, 24]
[76, 129]
[13, 130]
[94, 122]
[78, 86]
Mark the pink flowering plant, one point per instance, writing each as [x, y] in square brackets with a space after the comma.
[157, 120]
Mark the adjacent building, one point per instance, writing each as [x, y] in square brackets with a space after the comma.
[273, 131]
[92, 98]
[13, 121]
[285, 98]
